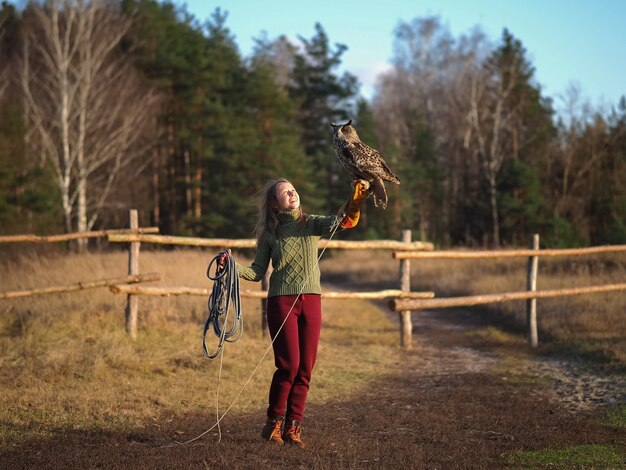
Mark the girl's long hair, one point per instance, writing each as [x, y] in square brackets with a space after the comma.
[268, 214]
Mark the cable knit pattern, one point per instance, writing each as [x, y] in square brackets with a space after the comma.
[293, 255]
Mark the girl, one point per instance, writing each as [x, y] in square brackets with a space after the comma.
[289, 238]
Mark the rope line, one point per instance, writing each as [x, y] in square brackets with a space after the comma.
[334, 228]
[217, 399]
[225, 291]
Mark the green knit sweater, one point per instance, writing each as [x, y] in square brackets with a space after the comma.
[293, 255]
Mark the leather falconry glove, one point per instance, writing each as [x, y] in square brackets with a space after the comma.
[352, 208]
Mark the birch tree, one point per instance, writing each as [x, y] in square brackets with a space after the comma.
[84, 100]
[427, 91]
[496, 99]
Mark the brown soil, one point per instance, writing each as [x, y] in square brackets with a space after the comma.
[446, 404]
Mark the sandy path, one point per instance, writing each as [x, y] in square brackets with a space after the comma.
[571, 383]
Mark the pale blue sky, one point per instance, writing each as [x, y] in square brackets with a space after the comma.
[581, 41]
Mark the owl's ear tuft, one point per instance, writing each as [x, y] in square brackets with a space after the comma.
[332, 124]
[349, 123]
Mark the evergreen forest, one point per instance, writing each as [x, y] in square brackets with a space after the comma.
[112, 105]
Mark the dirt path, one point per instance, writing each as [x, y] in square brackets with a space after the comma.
[574, 385]
[443, 405]
[577, 387]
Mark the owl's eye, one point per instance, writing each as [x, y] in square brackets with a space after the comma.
[345, 130]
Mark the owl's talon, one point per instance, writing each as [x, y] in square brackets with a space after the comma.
[365, 185]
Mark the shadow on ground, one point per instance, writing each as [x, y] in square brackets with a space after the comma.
[432, 411]
[451, 421]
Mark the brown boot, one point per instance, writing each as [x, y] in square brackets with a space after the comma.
[272, 430]
[293, 434]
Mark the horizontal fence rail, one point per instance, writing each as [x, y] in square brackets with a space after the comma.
[260, 294]
[251, 243]
[148, 277]
[73, 236]
[417, 304]
[508, 253]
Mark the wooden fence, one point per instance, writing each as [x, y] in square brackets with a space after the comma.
[531, 295]
[135, 239]
[135, 236]
[403, 300]
[73, 236]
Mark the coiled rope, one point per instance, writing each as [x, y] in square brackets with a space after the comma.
[225, 291]
[334, 228]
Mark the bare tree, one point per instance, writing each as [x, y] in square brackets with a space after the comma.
[581, 149]
[280, 53]
[488, 124]
[405, 103]
[429, 85]
[576, 115]
[496, 98]
[84, 100]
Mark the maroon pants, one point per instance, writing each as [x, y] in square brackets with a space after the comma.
[295, 350]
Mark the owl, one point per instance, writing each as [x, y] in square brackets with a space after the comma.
[362, 161]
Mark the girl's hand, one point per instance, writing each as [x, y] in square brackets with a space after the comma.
[222, 260]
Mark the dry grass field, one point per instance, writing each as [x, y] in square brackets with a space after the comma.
[76, 392]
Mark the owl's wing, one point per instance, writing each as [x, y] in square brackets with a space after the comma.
[370, 161]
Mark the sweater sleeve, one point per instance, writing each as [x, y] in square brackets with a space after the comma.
[323, 224]
[256, 271]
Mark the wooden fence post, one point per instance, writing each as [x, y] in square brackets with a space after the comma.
[132, 302]
[406, 326]
[265, 284]
[531, 304]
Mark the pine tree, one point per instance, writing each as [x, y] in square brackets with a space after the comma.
[279, 152]
[323, 96]
[202, 138]
[28, 198]
[521, 202]
[371, 224]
